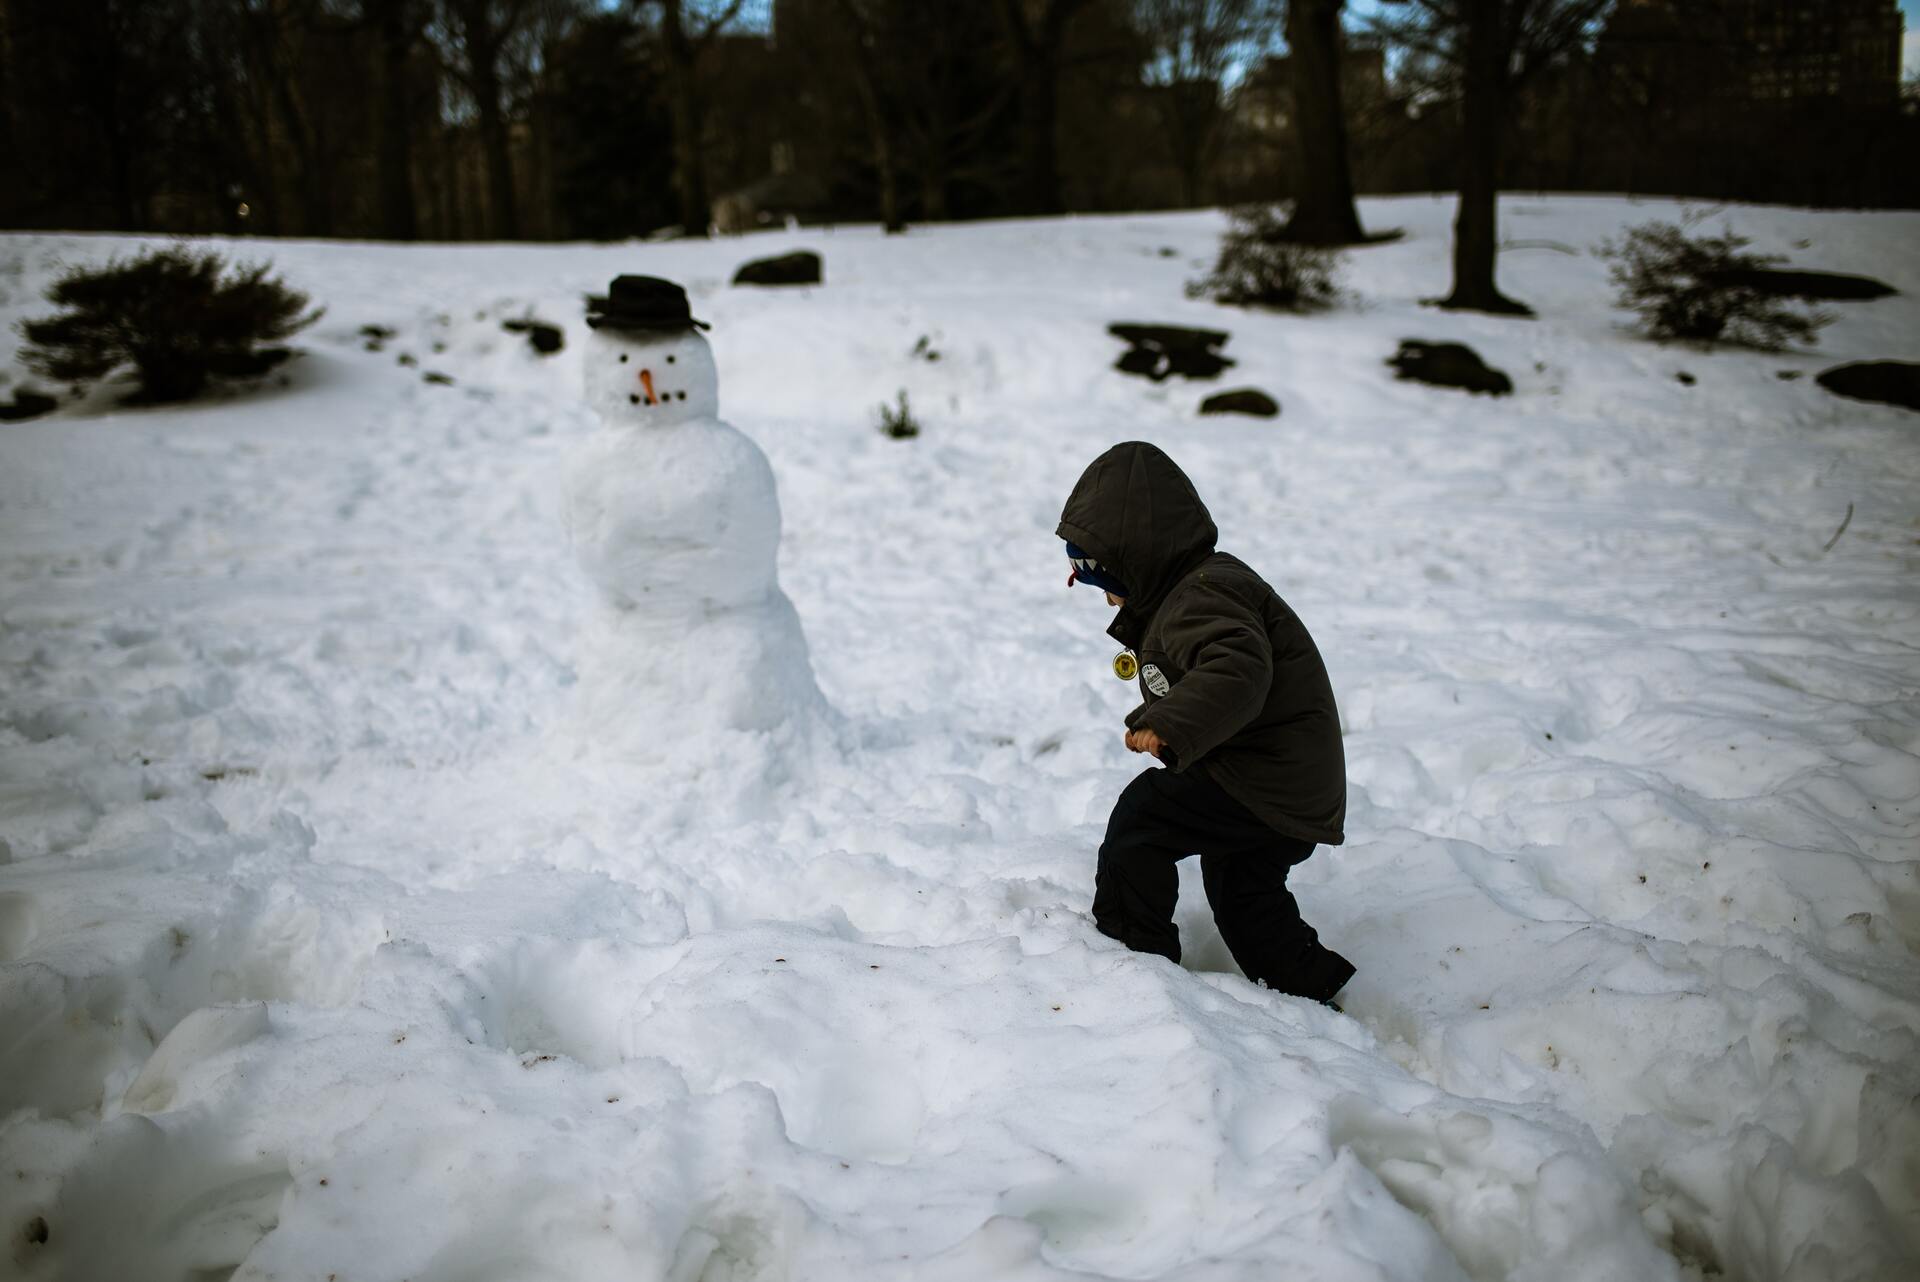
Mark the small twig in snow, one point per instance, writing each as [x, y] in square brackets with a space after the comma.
[1845, 521]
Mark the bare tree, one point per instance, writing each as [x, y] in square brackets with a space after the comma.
[400, 26]
[1036, 34]
[1324, 212]
[687, 30]
[866, 23]
[476, 34]
[951, 96]
[274, 32]
[1488, 50]
[930, 91]
[1194, 43]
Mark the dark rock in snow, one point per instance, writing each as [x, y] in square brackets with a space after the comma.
[1448, 365]
[1243, 400]
[26, 404]
[1144, 361]
[1686, 379]
[802, 267]
[1817, 286]
[1158, 351]
[438, 379]
[1883, 382]
[546, 339]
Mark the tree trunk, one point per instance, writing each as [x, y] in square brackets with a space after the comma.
[104, 91]
[1036, 57]
[885, 171]
[398, 217]
[933, 185]
[126, 213]
[1039, 111]
[1475, 230]
[866, 79]
[493, 136]
[889, 178]
[689, 173]
[683, 103]
[316, 195]
[1323, 211]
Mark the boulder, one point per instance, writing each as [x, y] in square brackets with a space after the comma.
[1816, 286]
[1883, 382]
[545, 339]
[1448, 365]
[26, 404]
[802, 267]
[1242, 400]
[1160, 351]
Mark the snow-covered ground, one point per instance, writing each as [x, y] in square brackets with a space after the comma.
[332, 952]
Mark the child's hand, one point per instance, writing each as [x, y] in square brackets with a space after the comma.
[1144, 740]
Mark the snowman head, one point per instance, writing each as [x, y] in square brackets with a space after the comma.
[646, 363]
[651, 378]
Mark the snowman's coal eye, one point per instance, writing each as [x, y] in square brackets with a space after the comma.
[633, 400]
[623, 358]
[683, 396]
[669, 360]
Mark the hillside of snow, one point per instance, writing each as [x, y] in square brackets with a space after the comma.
[333, 946]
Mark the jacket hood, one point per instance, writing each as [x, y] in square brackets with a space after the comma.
[1136, 512]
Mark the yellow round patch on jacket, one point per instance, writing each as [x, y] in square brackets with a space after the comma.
[1125, 665]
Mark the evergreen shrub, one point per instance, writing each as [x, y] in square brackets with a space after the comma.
[897, 421]
[177, 316]
[1690, 287]
[1259, 267]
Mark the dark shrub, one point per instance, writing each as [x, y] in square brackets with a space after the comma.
[898, 421]
[176, 316]
[1259, 268]
[1701, 288]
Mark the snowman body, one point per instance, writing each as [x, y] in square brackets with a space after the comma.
[675, 518]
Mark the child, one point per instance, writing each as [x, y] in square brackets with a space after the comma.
[1237, 708]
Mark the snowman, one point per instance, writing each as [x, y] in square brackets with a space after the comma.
[675, 519]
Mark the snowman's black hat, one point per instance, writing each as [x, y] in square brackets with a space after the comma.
[641, 302]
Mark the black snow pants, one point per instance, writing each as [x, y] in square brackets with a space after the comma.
[1163, 817]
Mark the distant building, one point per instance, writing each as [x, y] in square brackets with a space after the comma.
[1760, 51]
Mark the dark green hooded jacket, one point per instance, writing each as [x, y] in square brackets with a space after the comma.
[1232, 682]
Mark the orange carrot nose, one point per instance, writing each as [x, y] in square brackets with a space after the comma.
[646, 381]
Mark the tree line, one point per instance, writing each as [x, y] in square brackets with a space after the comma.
[601, 119]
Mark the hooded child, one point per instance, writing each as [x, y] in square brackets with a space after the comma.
[1236, 707]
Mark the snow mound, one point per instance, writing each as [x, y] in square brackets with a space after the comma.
[382, 896]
